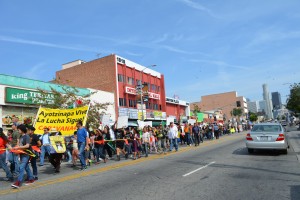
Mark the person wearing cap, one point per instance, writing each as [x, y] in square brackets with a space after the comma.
[45, 140]
[35, 142]
[23, 148]
[3, 145]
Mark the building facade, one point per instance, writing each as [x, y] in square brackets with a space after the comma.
[123, 78]
[224, 101]
[276, 100]
[177, 109]
[266, 97]
[253, 106]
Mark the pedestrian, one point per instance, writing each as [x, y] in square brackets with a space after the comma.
[82, 140]
[173, 135]
[187, 134]
[4, 143]
[55, 157]
[106, 136]
[24, 149]
[216, 130]
[13, 157]
[99, 145]
[196, 133]
[75, 152]
[152, 140]
[45, 149]
[120, 142]
[35, 144]
[145, 140]
[161, 137]
[136, 144]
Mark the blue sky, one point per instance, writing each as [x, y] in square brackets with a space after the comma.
[201, 46]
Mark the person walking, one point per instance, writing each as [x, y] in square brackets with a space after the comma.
[136, 144]
[55, 157]
[82, 141]
[196, 133]
[173, 135]
[187, 134]
[99, 145]
[23, 148]
[161, 137]
[145, 140]
[13, 157]
[45, 140]
[3, 145]
[35, 143]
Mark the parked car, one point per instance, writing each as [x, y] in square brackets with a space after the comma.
[267, 136]
[283, 122]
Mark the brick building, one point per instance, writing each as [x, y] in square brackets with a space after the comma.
[224, 101]
[121, 77]
[177, 109]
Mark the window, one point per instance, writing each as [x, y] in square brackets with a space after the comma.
[138, 82]
[122, 102]
[153, 87]
[130, 81]
[155, 106]
[132, 103]
[158, 89]
[121, 78]
[159, 107]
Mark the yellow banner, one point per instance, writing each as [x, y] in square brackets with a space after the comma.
[64, 120]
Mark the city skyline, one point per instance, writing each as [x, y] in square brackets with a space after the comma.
[201, 47]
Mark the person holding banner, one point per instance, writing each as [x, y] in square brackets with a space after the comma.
[56, 157]
[24, 150]
[3, 165]
[35, 144]
[99, 145]
[107, 145]
[82, 140]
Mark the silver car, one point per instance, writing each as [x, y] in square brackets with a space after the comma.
[267, 136]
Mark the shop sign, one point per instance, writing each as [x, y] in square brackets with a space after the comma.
[157, 114]
[15, 95]
[133, 113]
[123, 111]
[130, 90]
[153, 95]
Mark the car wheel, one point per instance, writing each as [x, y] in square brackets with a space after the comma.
[285, 151]
[250, 150]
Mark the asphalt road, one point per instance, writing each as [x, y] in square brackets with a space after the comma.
[219, 169]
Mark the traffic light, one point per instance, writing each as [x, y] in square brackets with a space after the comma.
[238, 104]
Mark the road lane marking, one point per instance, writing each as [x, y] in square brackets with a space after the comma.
[199, 169]
[92, 171]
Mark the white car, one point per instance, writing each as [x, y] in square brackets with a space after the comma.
[267, 136]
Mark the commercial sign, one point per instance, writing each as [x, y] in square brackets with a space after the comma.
[64, 120]
[130, 90]
[15, 95]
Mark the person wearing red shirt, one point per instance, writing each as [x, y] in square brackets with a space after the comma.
[3, 145]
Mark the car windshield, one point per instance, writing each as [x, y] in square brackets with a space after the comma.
[266, 128]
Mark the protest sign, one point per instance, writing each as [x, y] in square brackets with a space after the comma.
[64, 120]
[122, 122]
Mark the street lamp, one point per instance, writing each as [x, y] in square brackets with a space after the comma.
[141, 89]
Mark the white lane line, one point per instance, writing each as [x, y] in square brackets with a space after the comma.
[198, 169]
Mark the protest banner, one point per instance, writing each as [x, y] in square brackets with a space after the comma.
[64, 120]
[122, 122]
[105, 120]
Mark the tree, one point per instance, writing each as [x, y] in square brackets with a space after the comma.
[236, 112]
[196, 110]
[293, 100]
[70, 99]
[253, 117]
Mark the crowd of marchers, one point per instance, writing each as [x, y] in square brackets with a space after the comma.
[21, 150]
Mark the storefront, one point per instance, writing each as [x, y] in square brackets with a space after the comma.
[19, 98]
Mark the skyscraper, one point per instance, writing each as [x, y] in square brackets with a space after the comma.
[266, 97]
[276, 100]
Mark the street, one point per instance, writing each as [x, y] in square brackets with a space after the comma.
[218, 169]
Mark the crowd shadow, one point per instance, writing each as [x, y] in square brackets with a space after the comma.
[260, 152]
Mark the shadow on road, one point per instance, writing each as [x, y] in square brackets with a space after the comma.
[295, 192]
[244, 151]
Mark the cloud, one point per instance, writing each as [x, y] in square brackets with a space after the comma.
[133, 54]
[220, 63]
[270, 36]
[45, 44]
[198, 6]
[35, 72]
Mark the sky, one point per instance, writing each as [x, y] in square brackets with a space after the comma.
[201, 46]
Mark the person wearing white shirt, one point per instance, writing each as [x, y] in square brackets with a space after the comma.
[173, 135]
[145, 140]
